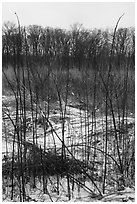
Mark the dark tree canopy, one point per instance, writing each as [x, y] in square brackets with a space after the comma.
[77, 47]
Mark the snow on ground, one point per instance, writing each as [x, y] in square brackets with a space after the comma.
[76, 130]
[127, 195]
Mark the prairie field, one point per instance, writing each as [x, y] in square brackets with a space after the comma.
[68, 115]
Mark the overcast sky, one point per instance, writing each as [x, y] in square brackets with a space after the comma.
[64, 14]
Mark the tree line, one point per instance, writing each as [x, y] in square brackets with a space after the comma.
[77, 47]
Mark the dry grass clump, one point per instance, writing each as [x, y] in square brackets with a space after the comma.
[47, 163]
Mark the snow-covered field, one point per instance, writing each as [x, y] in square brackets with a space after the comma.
[78, 125]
